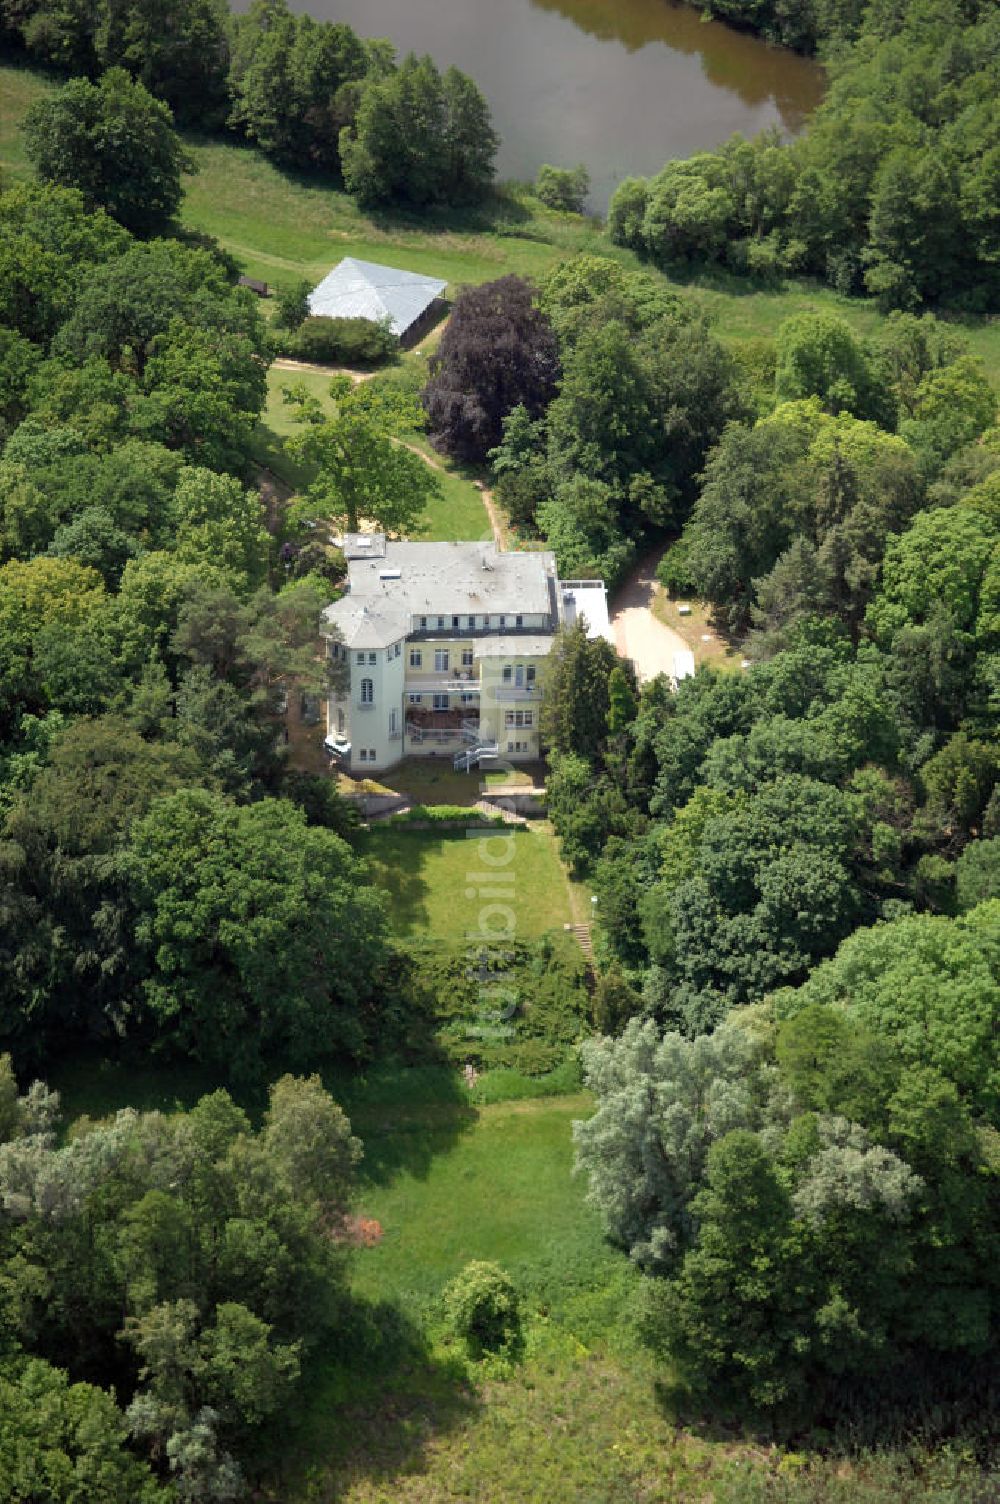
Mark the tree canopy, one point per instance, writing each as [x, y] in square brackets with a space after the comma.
[115, 143]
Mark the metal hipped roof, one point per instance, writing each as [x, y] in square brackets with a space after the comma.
[365, 290]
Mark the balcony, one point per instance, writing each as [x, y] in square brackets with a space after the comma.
[445, 736]
[509, 629]
[423, 718]
[517, 694]
[430, 684]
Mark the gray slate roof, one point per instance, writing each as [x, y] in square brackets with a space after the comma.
[360, 625]
[430, 579]
[365, 290]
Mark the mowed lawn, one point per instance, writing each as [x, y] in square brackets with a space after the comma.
[451, 884]
[501, 1189]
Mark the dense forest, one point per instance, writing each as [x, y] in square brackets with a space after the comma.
[790, 1035]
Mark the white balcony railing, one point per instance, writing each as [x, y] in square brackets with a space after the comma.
[511, 694]
[440, 684]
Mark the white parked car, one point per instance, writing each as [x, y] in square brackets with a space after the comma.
[337, 746]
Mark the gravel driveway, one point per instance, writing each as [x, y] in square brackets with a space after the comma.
[652, 647]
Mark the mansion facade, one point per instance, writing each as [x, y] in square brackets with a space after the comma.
[442, 650]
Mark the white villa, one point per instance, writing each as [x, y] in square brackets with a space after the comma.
[444, 649]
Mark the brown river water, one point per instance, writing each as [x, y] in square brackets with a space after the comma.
[620, 85]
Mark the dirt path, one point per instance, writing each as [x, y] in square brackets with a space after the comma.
[652, 647]
[487, 495]
[281, 364]
[496, 526]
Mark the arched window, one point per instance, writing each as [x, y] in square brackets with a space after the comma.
[367, 692]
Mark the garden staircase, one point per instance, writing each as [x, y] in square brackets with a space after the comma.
[584, 938]
[464, 762]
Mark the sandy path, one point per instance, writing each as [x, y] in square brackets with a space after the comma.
[652, 647]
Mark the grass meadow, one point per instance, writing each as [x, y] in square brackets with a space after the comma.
[282, 226]
[439, 882]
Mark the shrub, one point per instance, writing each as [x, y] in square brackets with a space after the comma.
[293, 305]
[673, 570]
[563, 187]
[447, 814]
[482, 1308]
[349, 342]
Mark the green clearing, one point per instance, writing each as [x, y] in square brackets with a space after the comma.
[493, 1183]
[459, 514]
[442, 884]
[432, 780]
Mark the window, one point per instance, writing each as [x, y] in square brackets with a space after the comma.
[472, 623]
[455, 622]
[393, 722]
[503, 621]
[340, 722]
[508, 673]
[415, 699]
[519, 621]
[363, 753]
[372, 657]
[416, 658]
[467, 658]
[397, 649]
[530, 674]
[519, 718]
[367, 692]
[359, 657]
[423, 622]
[486, 622]
[468, 699]
[440, 623]
[440, 702]
[517, 746]
[441, 660]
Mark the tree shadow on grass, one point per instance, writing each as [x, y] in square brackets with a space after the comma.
[373, 1402]
[929, 1401]
[396, 870]
[501, 211]
[405, 1115]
